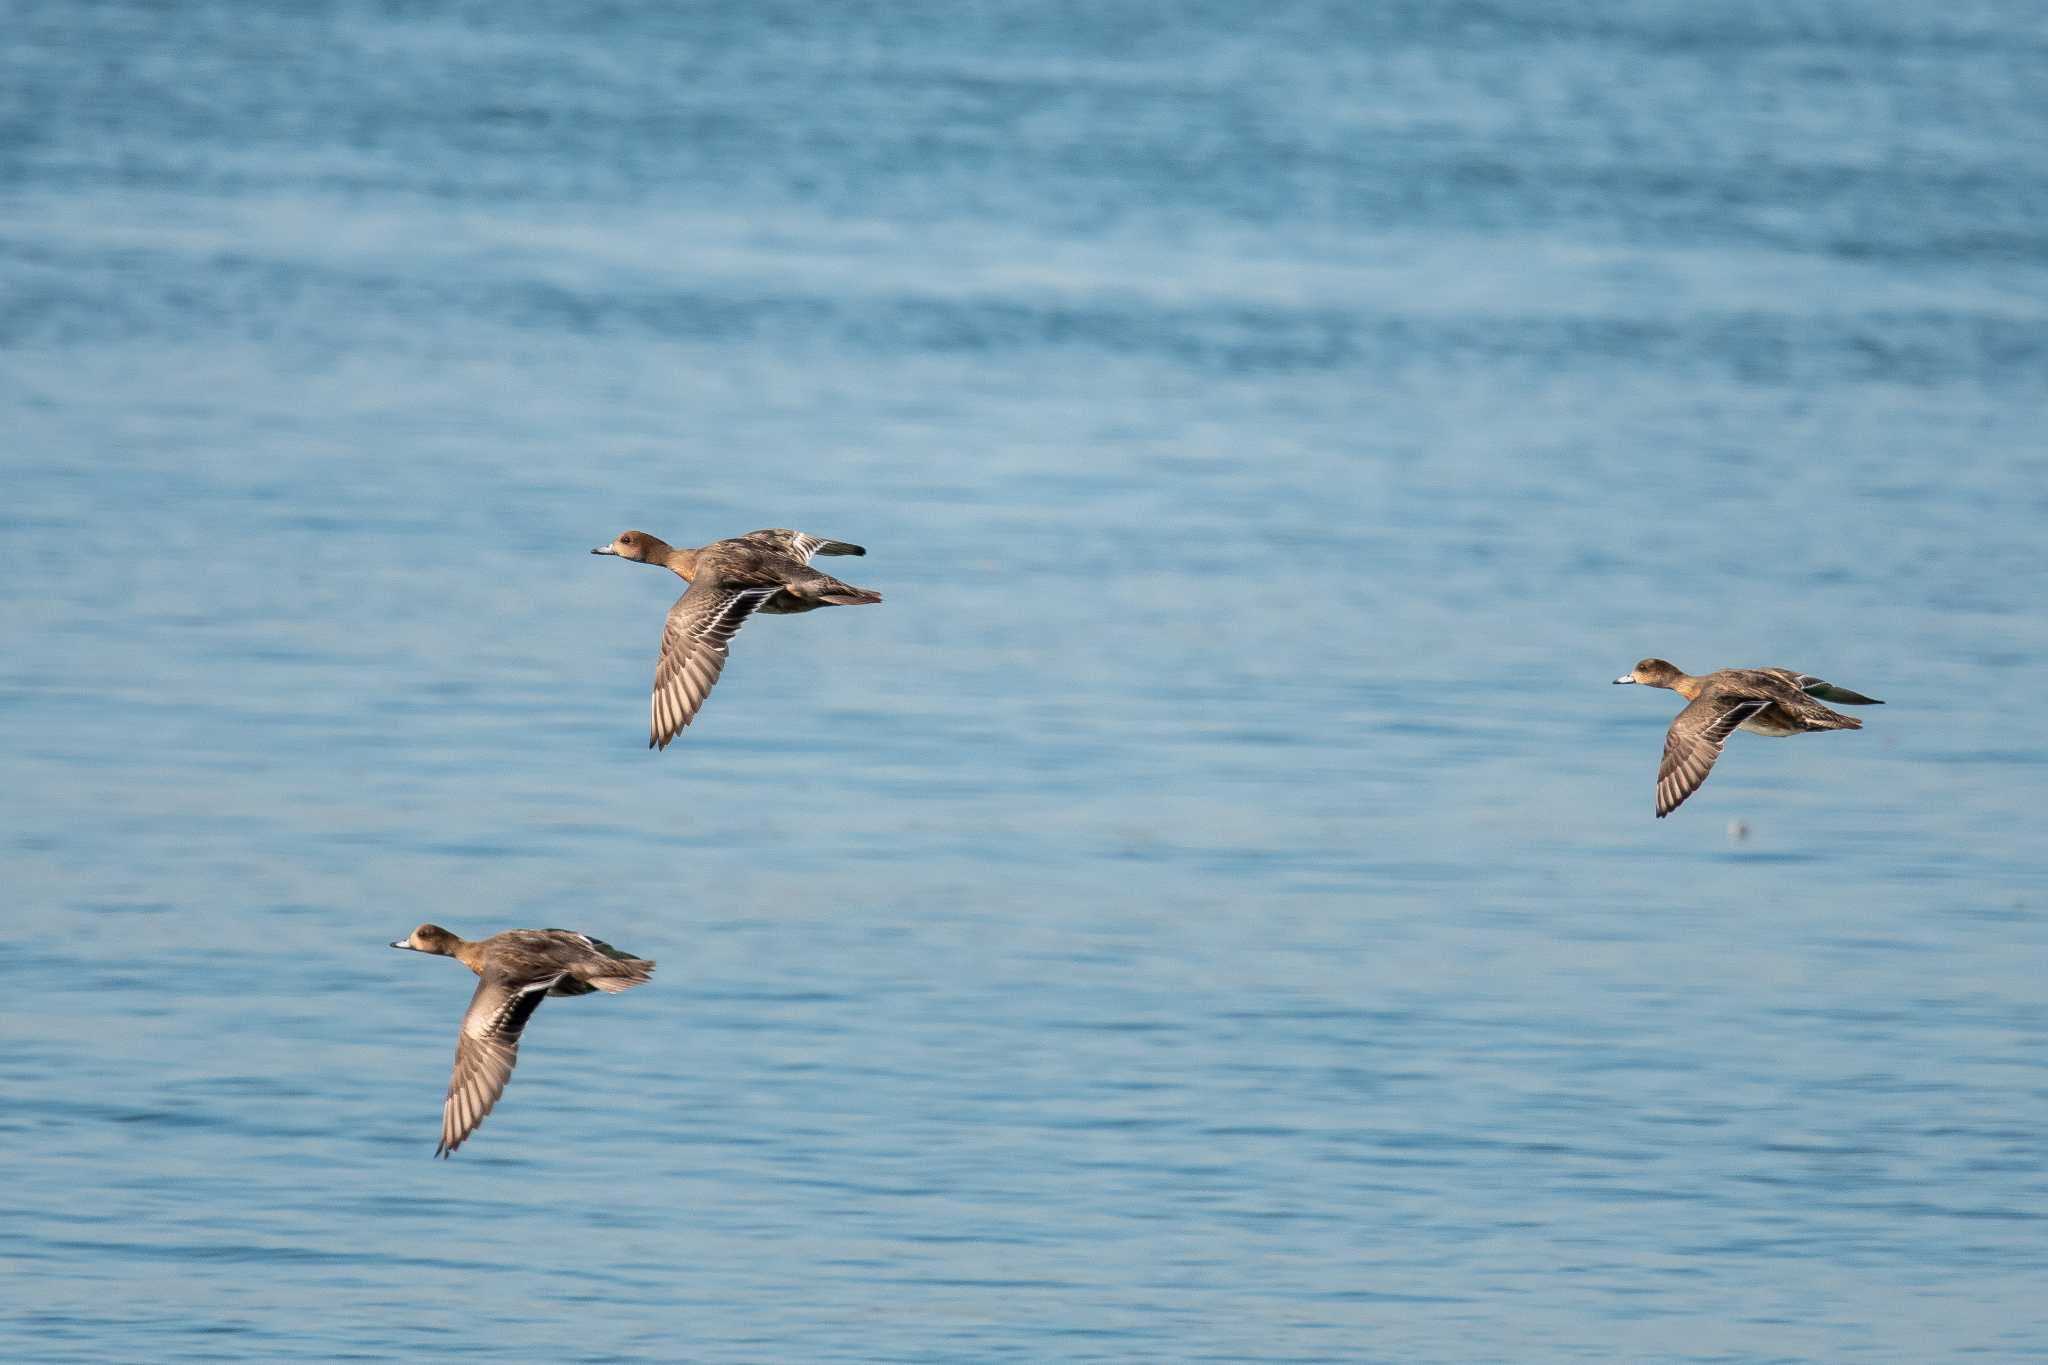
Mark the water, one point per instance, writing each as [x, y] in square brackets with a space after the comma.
[1212, 910]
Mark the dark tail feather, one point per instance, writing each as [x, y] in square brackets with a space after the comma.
[1842, 696]
[838, 547]
[852, 597]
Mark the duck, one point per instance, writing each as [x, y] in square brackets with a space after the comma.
[517, 970]
[1763, 701]
[765, 571]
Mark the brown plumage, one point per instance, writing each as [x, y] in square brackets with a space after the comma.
[1763, 701]
[518, 968]
[762, 571]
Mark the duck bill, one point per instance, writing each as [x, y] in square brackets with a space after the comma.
[1625, 678]
[604, 550]
[401, 943]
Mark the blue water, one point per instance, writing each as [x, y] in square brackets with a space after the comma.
[1212, 910]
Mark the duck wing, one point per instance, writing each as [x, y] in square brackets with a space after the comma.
[799, 546]
[693, 647]
[603, 967]
[1821, 688]
[1694, 741]
[595, 945]
[485, 1054]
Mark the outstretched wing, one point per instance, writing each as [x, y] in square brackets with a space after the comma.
[485, 1054]
[1694, 741]
[799, 546]
[693, 646]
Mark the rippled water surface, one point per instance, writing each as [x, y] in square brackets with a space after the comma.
[1212, 909]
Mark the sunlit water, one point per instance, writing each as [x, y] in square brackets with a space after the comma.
[1212, 909]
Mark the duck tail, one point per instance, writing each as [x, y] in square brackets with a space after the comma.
[846, 595]
[1842, 696]
[838, 547]
[1833, 720]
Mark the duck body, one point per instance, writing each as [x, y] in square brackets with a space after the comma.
[516, 970]
[1775, 702]
[767, 572]
[782, 557]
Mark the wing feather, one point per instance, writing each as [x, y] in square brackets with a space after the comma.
[1694, 741]
[799, 545]
[693, 650]
[486, 1053]
[1820, 688]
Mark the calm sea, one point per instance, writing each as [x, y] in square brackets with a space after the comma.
[1212, 910]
